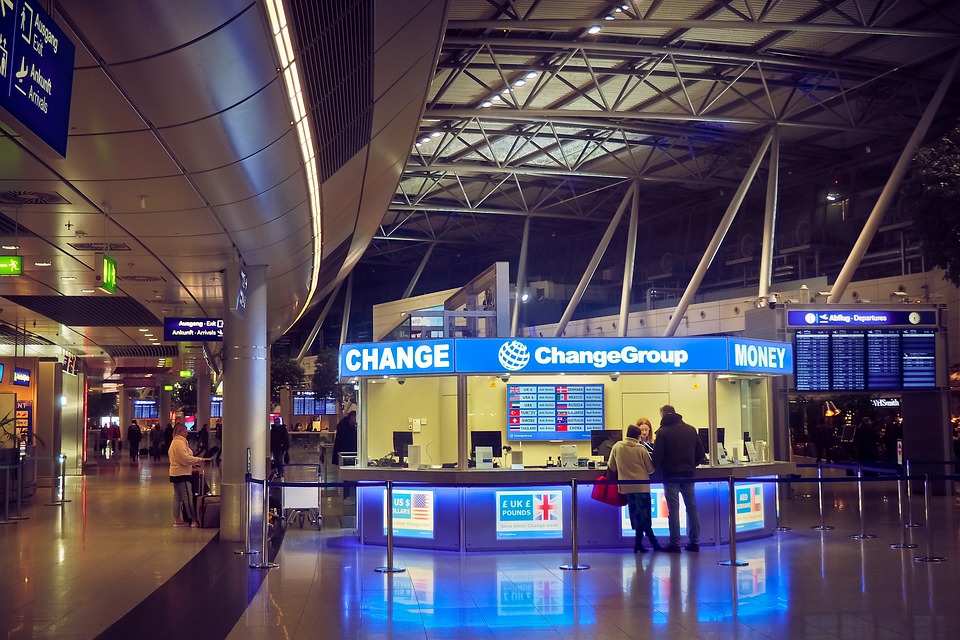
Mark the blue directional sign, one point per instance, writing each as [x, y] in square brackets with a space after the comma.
[36, 71]
[192, 329]
[861, 318]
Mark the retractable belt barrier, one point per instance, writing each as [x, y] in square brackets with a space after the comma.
[886, 475]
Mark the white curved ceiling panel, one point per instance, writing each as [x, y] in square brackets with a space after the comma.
[247, 213]
[226, 67]
[238, 132]
[96, 107]
[125, 30]
[115, 156]
[268, 169]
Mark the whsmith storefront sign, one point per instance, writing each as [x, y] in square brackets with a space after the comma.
[565, 355]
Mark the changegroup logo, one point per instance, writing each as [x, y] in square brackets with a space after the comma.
[513, 355]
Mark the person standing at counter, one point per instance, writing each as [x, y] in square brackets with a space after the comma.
[346, 442]
[676, 454]
[631, 461]
[181, 469]
[646, 434]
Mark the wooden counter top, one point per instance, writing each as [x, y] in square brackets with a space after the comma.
[556, 475]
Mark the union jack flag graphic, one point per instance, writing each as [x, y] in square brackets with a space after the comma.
[545, 507]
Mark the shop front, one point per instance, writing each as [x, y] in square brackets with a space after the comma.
[483, 438]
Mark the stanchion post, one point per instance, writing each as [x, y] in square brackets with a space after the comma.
[245, 519]
[910, 523]
[733, 562]
[58, 482]
[821, 526]
[264, 562]
[6, 497]
[926, 519]
[575, 560]
[389, 568]
[779, 526]
[903, 544]
[20, 470]
[861, 535]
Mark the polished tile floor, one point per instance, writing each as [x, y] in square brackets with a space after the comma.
[74, 571]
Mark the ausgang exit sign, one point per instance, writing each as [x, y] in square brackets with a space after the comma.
[107, 271]
[11, 265]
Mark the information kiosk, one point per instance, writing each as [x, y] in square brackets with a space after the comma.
[544, 398]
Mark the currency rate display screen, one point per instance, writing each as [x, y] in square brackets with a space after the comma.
[553, 411]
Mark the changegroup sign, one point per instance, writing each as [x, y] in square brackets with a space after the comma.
[565, 355]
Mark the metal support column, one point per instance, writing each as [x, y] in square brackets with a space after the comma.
[316, 327]
[594, 262]
[521, 278]
[419, 272]
[346, 310]
[892, 188]
[770, 215]
[628, 262]
[711, 251]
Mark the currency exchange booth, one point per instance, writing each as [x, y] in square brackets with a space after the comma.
[482, 437]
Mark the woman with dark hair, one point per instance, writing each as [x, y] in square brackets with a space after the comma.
[631, 461]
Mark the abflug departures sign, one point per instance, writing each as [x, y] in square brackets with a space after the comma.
[36, 71]
[565, 355]
[192, 329]
[861, 318]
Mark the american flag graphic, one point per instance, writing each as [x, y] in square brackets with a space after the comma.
[421, 507]
[545, 507]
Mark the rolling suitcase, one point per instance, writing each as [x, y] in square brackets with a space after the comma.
[206, 507]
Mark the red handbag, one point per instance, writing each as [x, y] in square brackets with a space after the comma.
[607, 492]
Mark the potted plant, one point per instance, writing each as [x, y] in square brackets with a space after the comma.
[9, 446]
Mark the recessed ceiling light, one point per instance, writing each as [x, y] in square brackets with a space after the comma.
[42, 264]
[88, 290]
[594, 29]
[67, 278]
[10, 247]
[435, 134]
[531, 75]
[143, 330]
[486, 103]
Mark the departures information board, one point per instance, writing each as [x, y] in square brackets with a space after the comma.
[861, 360]
[553, 411]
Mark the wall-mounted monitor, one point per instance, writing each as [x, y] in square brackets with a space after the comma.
[145, 410]
[492, 439]
[553, 411]
[878, 359]
[216, 407]
[306, 403]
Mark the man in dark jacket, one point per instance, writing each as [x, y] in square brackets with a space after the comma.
[676, 453]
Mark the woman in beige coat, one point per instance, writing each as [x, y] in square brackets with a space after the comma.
[629, 458]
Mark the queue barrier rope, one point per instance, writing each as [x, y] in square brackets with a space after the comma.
[886, 476]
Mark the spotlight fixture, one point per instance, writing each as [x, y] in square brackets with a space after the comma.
[594, 29]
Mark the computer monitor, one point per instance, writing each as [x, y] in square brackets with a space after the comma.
[599, 436]
[705, 437]
[492, 439]
[402, 440]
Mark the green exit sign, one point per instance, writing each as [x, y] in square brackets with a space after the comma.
[186, 373]
[168, 387]
[11, 265]
[107, 276]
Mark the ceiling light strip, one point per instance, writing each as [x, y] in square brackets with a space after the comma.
[288, 66]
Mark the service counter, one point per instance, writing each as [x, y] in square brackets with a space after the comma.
[528, 509]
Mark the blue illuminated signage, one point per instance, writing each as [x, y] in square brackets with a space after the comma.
[566, 355]
[413, 513]
[192, 329]
[529, 514]
[860, 318]
[36, 71]
[758, 356]
[397, 358]
[21, 377]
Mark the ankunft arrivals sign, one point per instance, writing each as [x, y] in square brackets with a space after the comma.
[36, 71]
[566, 355]
[192, 329]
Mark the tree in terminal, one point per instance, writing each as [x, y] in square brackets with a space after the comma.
[931, 195]
[325, 381]
[284, 372]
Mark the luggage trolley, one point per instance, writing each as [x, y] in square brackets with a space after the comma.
[302, 504]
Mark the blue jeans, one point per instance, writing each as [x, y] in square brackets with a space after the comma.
[182, 498]
[672, 492]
